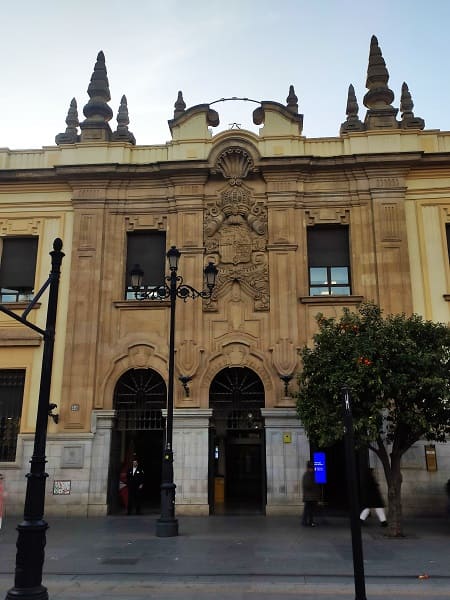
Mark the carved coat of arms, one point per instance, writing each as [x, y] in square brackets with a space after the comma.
[235, 228]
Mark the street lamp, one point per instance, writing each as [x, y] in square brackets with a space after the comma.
[31, 539]
[355, 522]
[167, 524]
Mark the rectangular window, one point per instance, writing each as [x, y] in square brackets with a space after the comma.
[17, 268]
[146, 249]
[328, 260]
[11, 396]
[447, 229]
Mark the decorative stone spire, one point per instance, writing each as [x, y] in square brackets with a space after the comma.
[409, 121]
[353, 122]
[180, 106]
[122, 134]
[378, 99]
[71, 134]
[97, 112]
[292, 101]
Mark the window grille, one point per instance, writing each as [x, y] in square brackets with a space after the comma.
[139, 397]
[11, 398]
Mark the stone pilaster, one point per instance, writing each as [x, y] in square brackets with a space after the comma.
[191, 447]
[102, 423]
[287, 450]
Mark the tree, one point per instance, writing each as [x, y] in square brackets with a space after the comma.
[398, 370]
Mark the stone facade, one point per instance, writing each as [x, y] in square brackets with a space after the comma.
[246, 202]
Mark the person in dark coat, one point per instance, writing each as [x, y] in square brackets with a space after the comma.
[311, 495]
[135, 483]
[447, 489]
[371, 499]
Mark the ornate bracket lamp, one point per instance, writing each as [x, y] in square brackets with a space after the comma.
[173, 288]
[185, 379]
[286, 379]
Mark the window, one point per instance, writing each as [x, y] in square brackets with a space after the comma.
[17, 268]
[148, 250]
[447, 229]
[328, 260]
[11, 396]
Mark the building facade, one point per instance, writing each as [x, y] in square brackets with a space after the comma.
[296, 226]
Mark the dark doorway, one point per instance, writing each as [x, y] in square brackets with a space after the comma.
[139, 397]
[237, 470]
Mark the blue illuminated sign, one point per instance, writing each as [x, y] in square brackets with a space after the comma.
[320, 467]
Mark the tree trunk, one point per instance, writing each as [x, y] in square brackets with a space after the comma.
[392, 471]
[394, 481]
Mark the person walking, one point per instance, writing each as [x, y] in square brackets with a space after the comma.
[135, 483]
[311, 495]
[447, 489]
[371, 499]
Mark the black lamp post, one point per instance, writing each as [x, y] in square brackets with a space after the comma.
[167, 524]
[31, 539]
[355, 523]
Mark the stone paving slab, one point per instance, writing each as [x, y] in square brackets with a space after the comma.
[227, 558]
[232, 588]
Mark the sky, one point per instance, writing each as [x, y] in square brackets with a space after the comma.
[212, 49]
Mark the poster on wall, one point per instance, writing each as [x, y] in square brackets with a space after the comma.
[61, 488]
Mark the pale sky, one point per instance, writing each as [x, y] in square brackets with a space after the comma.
[212, 49]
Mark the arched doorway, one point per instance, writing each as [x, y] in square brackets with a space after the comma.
[237, 469]
[139, 397]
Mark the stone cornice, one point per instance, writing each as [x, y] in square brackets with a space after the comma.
[271, 168]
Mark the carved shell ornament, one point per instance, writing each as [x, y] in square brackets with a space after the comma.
[234, 163]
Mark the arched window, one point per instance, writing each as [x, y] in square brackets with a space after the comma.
[139, 396]
[237, 395]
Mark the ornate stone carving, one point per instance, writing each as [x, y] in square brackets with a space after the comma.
[352, 123]
[234, 163]
[150, 221]
[409, 120]
[235, 227]
[188, 357]
[327, 215]
[381, 114]
[284, 357]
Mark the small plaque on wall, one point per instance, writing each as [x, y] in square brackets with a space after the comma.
[430, 457]
[72, 457]
[61, 488]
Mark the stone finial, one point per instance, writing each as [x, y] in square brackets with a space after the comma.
[352, 122]
[180, 106]
[378, 99]
[122, 134]
[292, 101]
[97, 111]
[409, 121]
[71, 134]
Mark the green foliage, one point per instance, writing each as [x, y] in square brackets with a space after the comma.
[397, 368]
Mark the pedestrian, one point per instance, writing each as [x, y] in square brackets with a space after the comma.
[311, 495]
[371, 499]
[135, 483]
[447, 489]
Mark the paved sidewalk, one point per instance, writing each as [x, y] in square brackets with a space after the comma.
[229, 558]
